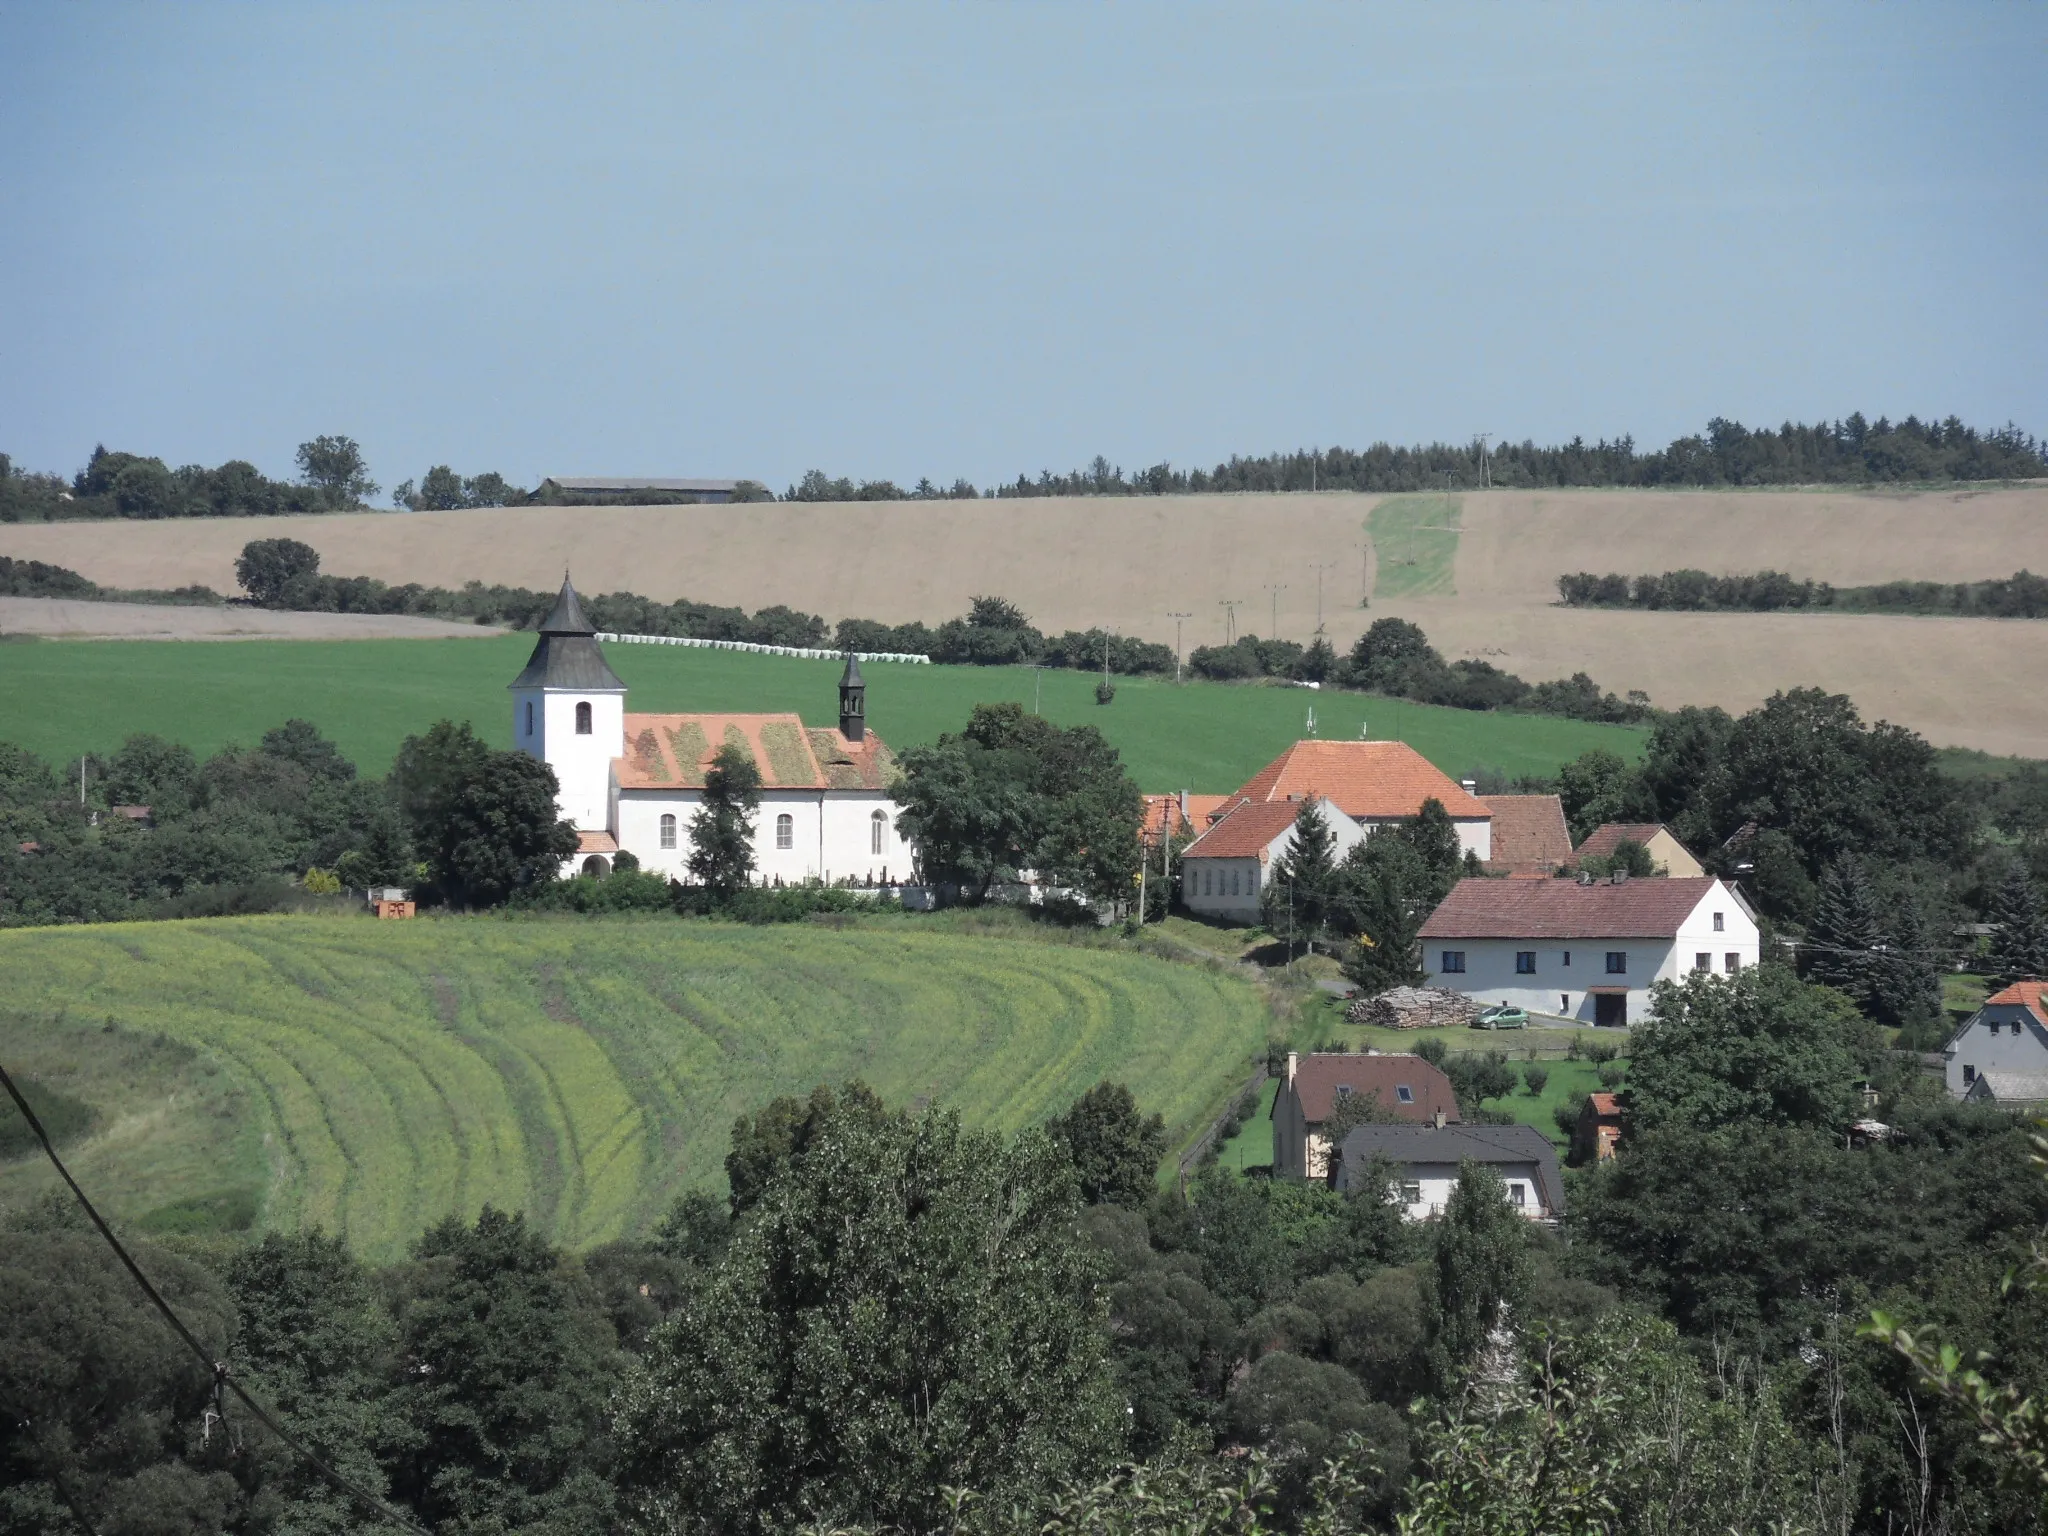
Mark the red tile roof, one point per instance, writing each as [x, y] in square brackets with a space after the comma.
[1246, 830]
[1317, 1079]
[1604, 1105]
[1166, 811]
[1376, 780]
[1564, 909]
[2033, 994]
[596, 842]
[1601, 841]
[1529, 834]
[673, 752]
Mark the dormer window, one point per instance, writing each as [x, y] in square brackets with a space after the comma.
[583, 719]
[1343, 1090]
[1404, 1093]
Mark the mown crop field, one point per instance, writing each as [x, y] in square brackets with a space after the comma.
[59, 698]
[374, 1077]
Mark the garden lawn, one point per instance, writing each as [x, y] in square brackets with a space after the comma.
[1252, 1146]
[1566, 1079]
[59, 698]
[278, 1072]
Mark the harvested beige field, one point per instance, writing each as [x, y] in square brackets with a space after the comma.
[68, 619]
[1128, 564]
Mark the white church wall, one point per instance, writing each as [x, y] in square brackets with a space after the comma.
[544, 726]
[831, 836]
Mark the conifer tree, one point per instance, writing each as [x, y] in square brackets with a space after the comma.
[2019, 937]
[1296, 901]
[1847, 933]
[1434, 837]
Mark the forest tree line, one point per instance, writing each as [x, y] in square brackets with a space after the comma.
[334, 477]
[2023, 595]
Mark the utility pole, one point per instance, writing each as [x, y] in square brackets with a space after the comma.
[1177, 617]
[1037, 668]
[1327, 565]
[1485, 480]
[1229, 607]
[1276, 588]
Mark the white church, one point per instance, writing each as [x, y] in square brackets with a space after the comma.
[630, 783]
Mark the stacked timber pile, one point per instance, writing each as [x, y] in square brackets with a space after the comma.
[1414, 1008]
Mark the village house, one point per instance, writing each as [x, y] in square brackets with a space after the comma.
[1530, 839]
[631, 783]
[1376, 783]
[1408, 1088]
[1598, 1132]
[1585, 951]
[1668, 856]
[2000, 1054]
[1425, 1161]
[1224, 870]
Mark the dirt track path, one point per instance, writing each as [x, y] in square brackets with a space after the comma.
[68, 619]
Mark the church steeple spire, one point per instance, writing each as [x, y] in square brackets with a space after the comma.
[853, 701]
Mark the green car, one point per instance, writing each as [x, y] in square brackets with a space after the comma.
[1500, 1016]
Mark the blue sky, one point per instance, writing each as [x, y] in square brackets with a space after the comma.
[969, 240]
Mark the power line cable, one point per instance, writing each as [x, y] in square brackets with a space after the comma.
[216, 1368]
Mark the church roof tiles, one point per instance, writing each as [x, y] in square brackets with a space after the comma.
[675, 751]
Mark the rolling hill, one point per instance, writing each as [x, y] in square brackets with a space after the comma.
[372, 1077]
[1476, 570]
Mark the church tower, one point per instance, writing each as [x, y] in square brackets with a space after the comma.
[569, 710]
[853, 701]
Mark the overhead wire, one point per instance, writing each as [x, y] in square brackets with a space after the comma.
[217, 1369]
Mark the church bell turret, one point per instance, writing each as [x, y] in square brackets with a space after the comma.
[853, 701]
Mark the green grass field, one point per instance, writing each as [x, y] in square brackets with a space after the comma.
[59, 698]
[373, 1077]
[1415, 545]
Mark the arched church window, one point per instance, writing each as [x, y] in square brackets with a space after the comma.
[582, 719]
[668, 830]
[785, 831]
[880, 825]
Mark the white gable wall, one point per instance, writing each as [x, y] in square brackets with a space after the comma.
[1206, 881]
[2005, 1038]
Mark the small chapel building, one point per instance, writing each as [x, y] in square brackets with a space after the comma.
[631, 783]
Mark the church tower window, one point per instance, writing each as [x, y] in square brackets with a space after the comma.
[529, 717]
[583, 719]
[668, 830]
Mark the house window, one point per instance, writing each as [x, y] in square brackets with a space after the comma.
[1567, 959]
[1454, 962]
[1343, 1090]
[1720, 924]
[1617, 962]
[1525, 962]
[1404, 1093]
[1251, 881]
[1233, 882]
[582, 719]
[1411, 1193]
[1564, 1004]
[529, 717]
[1703, 961]
[1969, 1075]
[878, 832]
[668, 829]
[1731, 962]
[1208, 882]
[1517, 1192]
[785, 831]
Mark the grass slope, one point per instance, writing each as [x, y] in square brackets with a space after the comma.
[1415, 545]
[373, 1077]
[61, 698]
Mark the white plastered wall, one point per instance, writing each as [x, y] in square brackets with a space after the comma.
[544, 726]
[831, 834]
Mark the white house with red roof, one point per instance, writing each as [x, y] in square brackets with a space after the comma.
[1224, 872]
[631, 783]
[1410, 1091]
[1375, 783]
[1585, 951]
[2000, 1054]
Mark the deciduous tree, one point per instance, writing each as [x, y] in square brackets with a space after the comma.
[722, 831]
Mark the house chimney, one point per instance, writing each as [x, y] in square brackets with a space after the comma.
[1437, 1120]
[1293, 1061]
[1619, 877]
[1470, 786]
